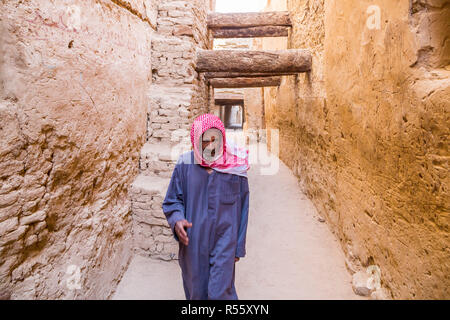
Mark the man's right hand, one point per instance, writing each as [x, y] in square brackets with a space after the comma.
[181, 231]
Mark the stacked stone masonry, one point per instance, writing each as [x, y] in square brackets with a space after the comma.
[177, 95]
[84, 86]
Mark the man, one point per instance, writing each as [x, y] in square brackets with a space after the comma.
[206, 206]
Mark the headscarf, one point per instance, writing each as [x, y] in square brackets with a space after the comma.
[234, 160]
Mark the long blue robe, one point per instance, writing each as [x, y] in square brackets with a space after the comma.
[217, 206]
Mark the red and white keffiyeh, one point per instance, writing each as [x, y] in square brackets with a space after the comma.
[234, 160]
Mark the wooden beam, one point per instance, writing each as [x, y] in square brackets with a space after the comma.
[224, 102]
[254, 61]
[248, 19]
[250, 32]
[211, 75]
[245, 82]
[228, 98]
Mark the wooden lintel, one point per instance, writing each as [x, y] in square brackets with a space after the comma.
[254, 61]
[245, 82]
[250, 32]
[248, 19]
[223, 102]
[211, 75]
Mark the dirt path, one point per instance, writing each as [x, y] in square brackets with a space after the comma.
[290, 254]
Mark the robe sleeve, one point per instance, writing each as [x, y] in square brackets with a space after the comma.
[173, 204]
[245, 196]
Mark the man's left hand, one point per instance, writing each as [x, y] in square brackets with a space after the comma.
[236, 259]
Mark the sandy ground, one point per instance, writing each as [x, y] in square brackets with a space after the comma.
[290, 254]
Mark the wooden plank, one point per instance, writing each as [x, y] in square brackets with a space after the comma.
[228, 98]
[223, 102]
[211, 75]
[248, 19]
[245, 82]
[254, 61]
[251, 32]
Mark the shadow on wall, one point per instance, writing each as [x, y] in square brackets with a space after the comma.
[432, 24]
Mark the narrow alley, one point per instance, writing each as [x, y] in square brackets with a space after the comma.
[349, 100]
[290, 253]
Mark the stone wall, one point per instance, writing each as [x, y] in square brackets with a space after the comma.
[177, 95]
[366, 132]
[72, 121]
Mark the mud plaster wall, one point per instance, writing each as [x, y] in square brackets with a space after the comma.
[253, 103]
[74, 77]
[367, 131]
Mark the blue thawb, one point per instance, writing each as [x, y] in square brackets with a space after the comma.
[217, 205]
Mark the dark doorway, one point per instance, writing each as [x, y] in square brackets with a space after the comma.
[232, 116]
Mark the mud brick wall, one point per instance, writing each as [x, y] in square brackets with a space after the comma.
[366, 132]
[74, 78]
[152, 234]
[179, 93]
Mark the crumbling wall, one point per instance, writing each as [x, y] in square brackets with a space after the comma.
[366, 132]
[74, 78]
[431, 24]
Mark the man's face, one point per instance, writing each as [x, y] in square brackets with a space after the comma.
[211, 144]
